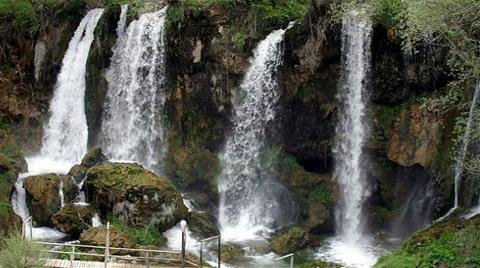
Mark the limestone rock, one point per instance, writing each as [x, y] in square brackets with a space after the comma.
[43, 199]
[201, 224]
[73, 219]
[92, 157]
[415, 138]
[232, 253]
[96, 237]
[288, 242]
[135, 195]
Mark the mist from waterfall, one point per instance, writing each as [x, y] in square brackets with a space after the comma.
[251, 200]
[132, 128]
[65, 135]
[351, 244]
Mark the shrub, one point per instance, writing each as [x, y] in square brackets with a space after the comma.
[15, 252]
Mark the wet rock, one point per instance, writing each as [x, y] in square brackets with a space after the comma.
[135, 195]
[415, 138]
[93, 157]
[201, 224]
[232, 253]
[96, 236]
[73, 219]
[43, 199]
[290, 241]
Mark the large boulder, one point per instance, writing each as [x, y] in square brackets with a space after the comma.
[73, 219]
[135, 195]
[43, 196]
[290, 241]
[415, 138]
[201, 224]
[96, 236]
[232, 253]
[93, 157]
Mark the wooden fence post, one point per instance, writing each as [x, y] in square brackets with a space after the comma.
[107, 244]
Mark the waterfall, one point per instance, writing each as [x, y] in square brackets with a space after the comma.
[65, 135]
[251, 201]
[351, 246]
[132, 127]
[458, 170]
[351, 129]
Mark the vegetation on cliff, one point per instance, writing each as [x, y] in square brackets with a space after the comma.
[450, 244]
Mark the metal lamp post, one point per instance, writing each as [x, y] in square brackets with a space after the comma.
[183, 226]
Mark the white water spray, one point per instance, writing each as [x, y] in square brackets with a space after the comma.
[65, 137]
[351, 129]
[251, 201]
[351, 245]
[132, 128]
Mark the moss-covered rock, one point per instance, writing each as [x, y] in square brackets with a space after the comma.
[96, 236]
[135, 195]
[73, 219]
[454, 243]
[43, 199]
[289, 241]
[92, 157]
[201, 224]
[232, 253]
[319, 264]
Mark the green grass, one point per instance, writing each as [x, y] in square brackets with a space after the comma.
[452, 248]
[15, 252]
[22, 13]
[143, 236]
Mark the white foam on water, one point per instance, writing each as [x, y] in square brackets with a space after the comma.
[350, 254]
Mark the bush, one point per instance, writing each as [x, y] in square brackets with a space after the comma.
[15, 252]
[453, 248]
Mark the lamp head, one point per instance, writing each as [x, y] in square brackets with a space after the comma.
[183, 225]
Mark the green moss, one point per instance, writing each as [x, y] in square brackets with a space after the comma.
[454, 244]
[149, 236]
[387, 115]
[118, 176]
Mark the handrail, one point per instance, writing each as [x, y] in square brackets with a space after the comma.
[219, 248]
[286, 256]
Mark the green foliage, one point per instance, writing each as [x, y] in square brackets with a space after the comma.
[22, 13]
[143, 236]
[453, 248]
[278, 12]
[4, 208]
[15, 252]
[239, 39]
[319, 193]
[387, 115]
[388, 12]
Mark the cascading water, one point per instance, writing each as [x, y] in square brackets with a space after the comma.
[463, 151]
[132, 120]
[475, 210]
[349, 246]
[65, 135]
[351, 129]
[251, 201]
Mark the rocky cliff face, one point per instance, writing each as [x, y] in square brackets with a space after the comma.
[207, 55]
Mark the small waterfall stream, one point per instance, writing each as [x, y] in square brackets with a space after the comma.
[459, 164]
[65, 136]
[132, 127]
[350, 246]
[251, 201]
